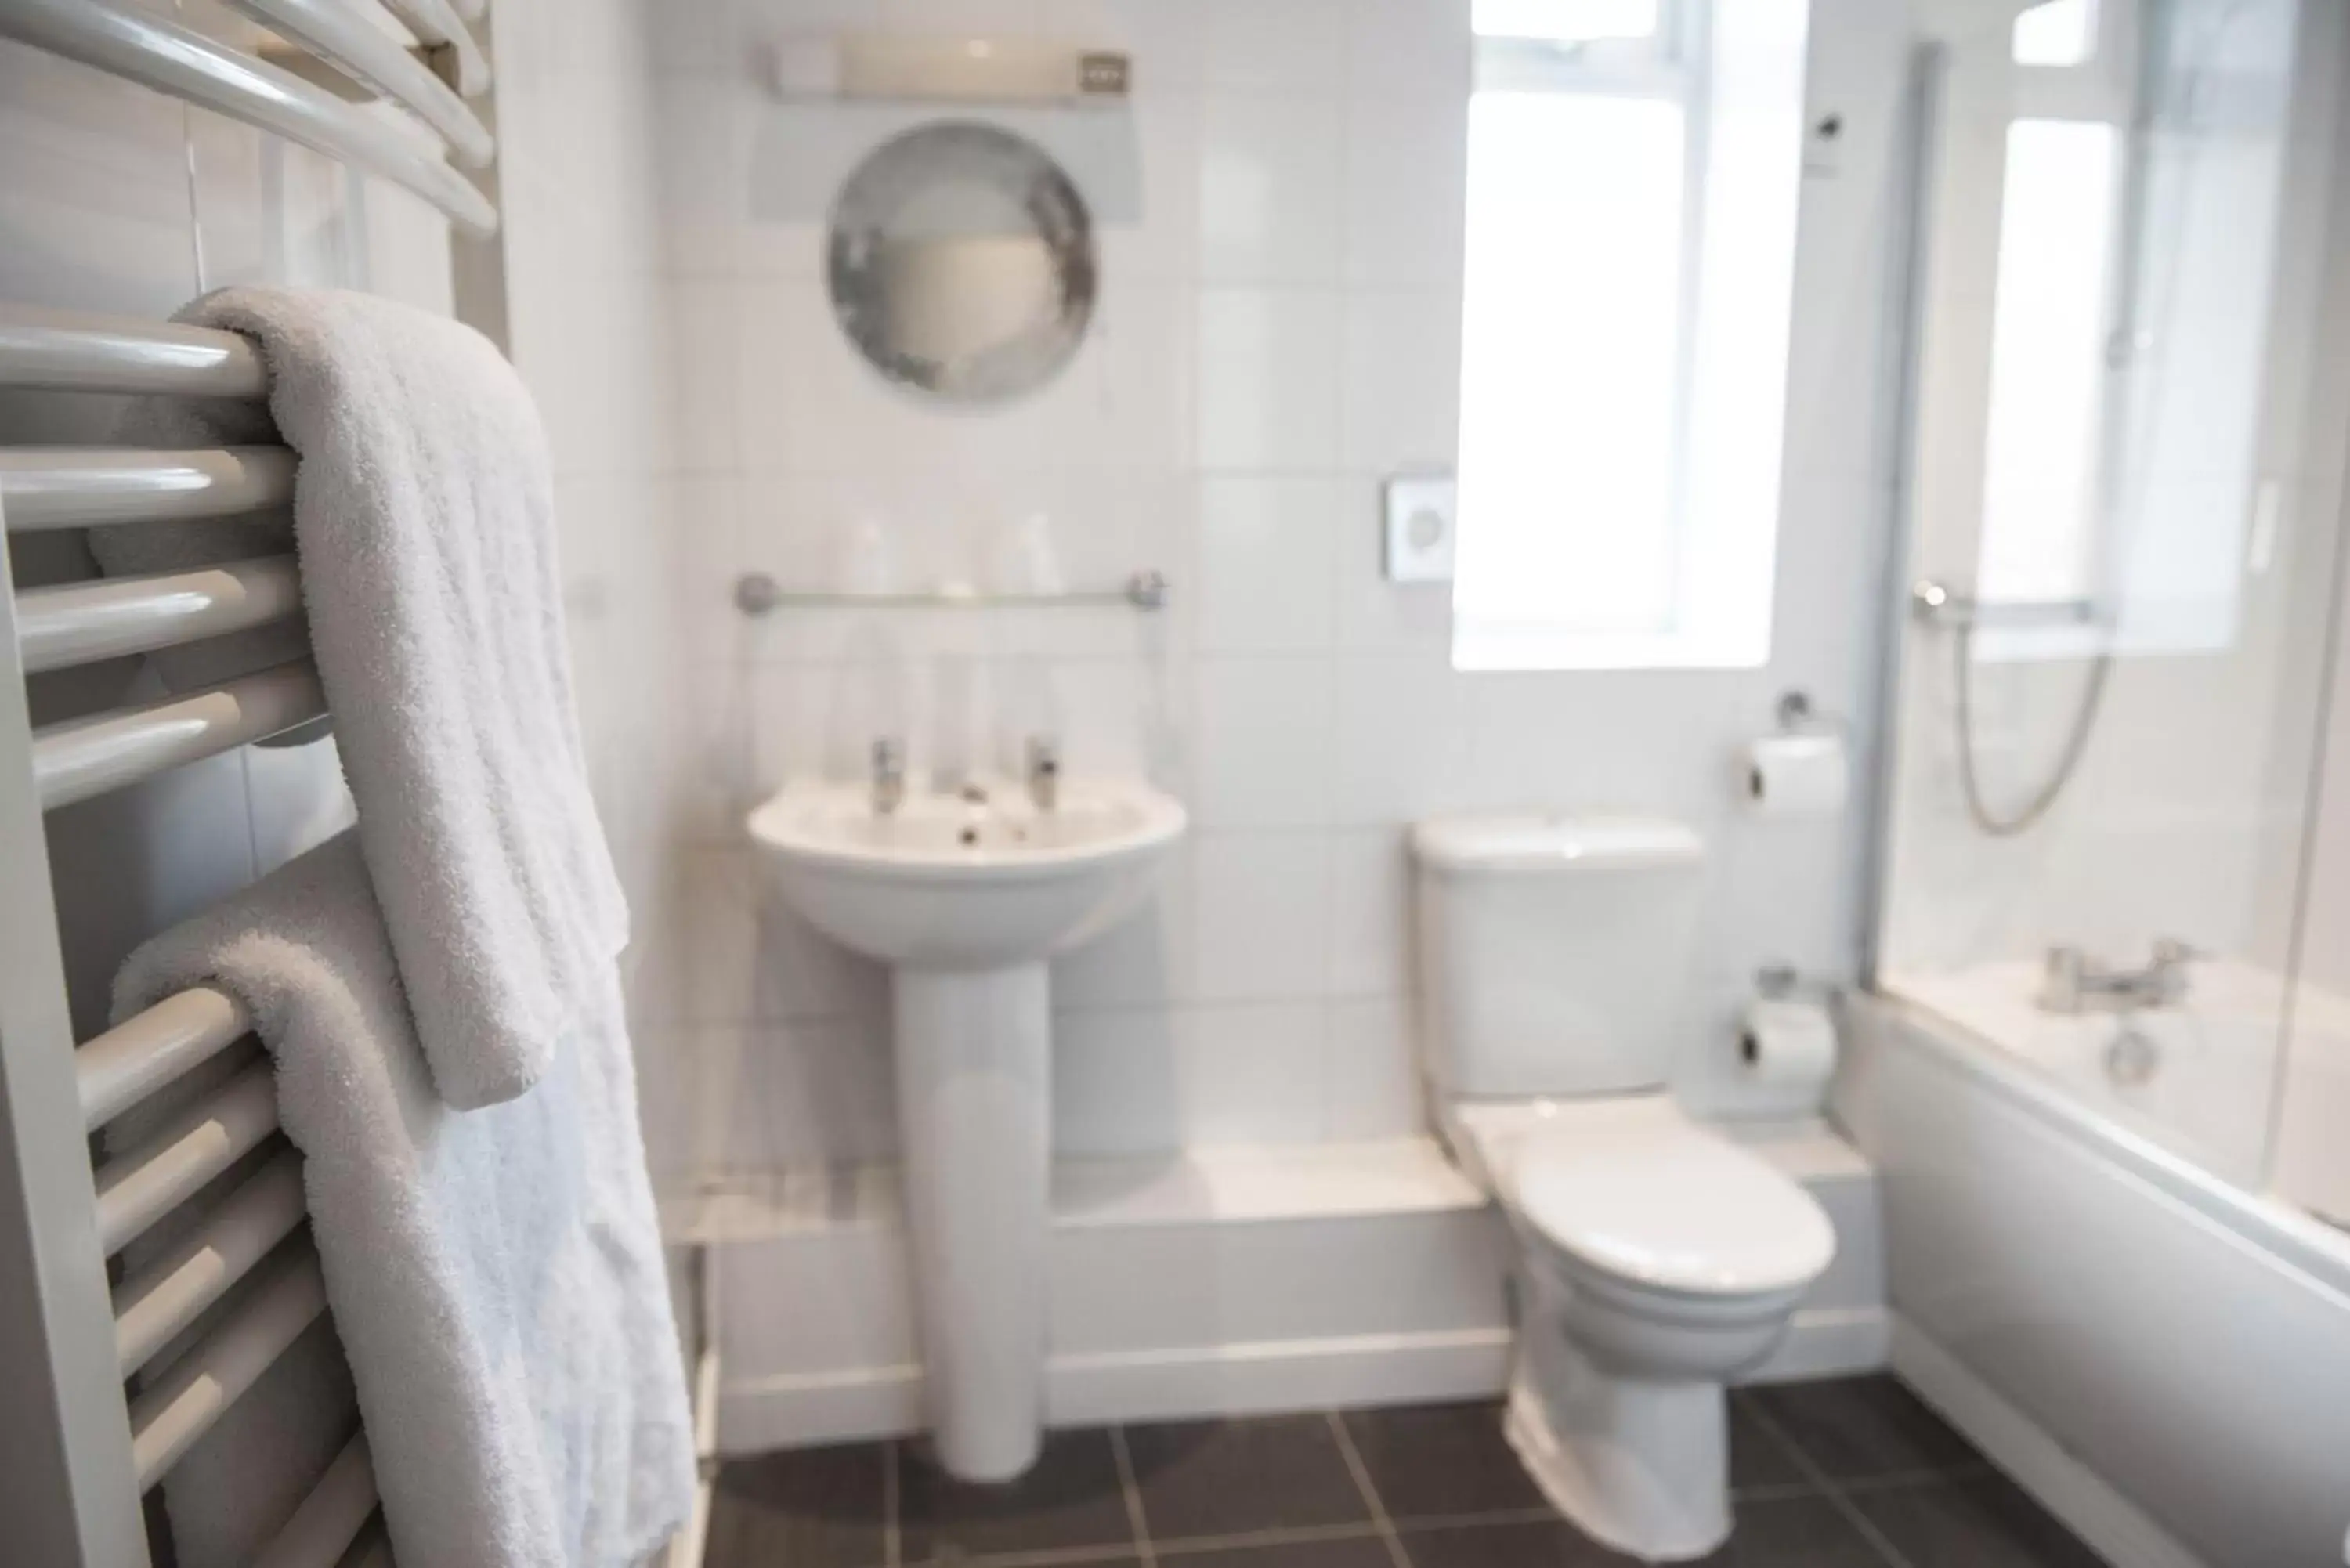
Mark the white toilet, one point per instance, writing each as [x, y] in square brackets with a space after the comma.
[1657, 1261]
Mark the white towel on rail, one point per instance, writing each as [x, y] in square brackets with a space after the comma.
[423, 517]
[496, 1274]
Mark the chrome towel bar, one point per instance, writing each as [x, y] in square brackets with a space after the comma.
[166, 1420]
[43, 487]
[80, 623]
[82, 757]
[64, 350]
[137, 1188]
[116, 1070]
[168, 1295]
[332, 1517]
[187, 65]
[758, 594]
[438, 27]
[337, 32]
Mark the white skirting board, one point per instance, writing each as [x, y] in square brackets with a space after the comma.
[2089, 1507]
[1223, 1281]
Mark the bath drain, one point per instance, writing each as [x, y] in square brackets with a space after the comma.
[2131, 1058]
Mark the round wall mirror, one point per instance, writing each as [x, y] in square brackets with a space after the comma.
[961, 263]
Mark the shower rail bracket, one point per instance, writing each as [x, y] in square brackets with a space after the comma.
[1935, 604]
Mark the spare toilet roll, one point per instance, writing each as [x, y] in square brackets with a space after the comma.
[1796, 774]
[1787, 1043]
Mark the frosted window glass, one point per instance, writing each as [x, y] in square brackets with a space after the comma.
[2061, 33]
[1571, 343]
[1564, 21]
[2048, 360]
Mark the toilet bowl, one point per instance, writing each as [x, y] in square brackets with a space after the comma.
[1656, 1262]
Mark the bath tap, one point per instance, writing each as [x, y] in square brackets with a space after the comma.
[1044, 772]
[2075, 982]
[889, 775]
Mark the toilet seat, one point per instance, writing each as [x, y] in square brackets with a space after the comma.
[1644, 1204]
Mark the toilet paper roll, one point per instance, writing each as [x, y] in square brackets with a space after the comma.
[1787, 1043]
[1803, 774]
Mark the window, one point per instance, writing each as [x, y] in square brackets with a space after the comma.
[2059, 33]
[2052, 315]
[1633, 174]
[2056, 311]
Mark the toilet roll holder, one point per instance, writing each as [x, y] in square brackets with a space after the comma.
[1799, 715]
[1780, 981]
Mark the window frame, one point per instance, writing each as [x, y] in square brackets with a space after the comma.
[1718, 552]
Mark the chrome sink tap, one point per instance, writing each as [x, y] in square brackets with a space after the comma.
[2075, 982]
[889, 775]
[1044, 772]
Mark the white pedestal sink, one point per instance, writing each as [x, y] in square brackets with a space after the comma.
[965, 901]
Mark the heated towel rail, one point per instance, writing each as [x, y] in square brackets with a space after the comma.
[81, 1217]
[112, 1371]
[125, 41]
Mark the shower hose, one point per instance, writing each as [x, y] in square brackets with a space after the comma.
[1996, 824]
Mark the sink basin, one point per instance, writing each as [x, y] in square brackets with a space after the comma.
[966, 896]
[951, 883]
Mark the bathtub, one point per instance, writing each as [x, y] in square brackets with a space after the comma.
[2158, 1350]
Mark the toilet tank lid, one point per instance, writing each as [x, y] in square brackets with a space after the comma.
[1530, 842]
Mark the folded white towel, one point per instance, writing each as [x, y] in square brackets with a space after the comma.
[495, 1275]
[424, 521]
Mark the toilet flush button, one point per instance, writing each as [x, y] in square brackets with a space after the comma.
[1420, 527]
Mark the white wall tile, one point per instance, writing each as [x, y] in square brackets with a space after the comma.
[1400, 405]
[1405, 745]
[1370, 913]
[706, 332]
[1261, 729]
[1266, 549]
[1419, 49]
[1117, 1081]
[1407, 186]
[1268, 379]
[1371, 1080]
[1288, 44]
[1261, 905]
[1269, 205]
[1253, 1074]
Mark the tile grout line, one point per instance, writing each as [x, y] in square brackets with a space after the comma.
[1830, 1488]
[893, 1542]
[1362, 1474]
[1282, 1535]
[1132, 1490]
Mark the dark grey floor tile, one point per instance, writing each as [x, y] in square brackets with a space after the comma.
[1756, 1457]
[1977, 1521]
[1434, 1460]
[1793, 1532]
[1070, 1498]
[1544, 1543]
[810, 1508]
[1234, 1477]
[1853, 1428]
[1356, 1552]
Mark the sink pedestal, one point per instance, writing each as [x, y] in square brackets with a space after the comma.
[974, 1119]
[966, 896]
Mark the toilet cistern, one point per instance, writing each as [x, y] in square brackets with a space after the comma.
[965, 896]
